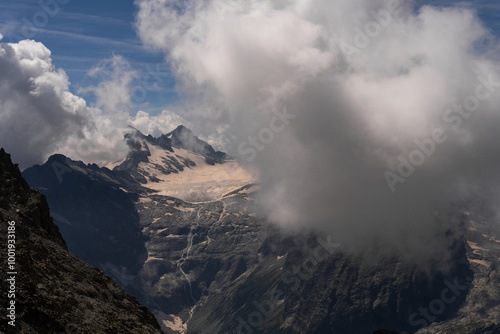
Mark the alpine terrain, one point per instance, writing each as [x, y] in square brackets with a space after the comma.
[48, 289]
[176, 224]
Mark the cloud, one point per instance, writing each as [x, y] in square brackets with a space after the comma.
[113, 92]
[162, 123]
[37, 112]
[39, 116]
[1, 37]
[364, 80]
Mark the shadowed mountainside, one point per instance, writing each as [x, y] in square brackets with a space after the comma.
[55, 291]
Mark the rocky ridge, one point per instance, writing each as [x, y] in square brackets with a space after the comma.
[55, 292]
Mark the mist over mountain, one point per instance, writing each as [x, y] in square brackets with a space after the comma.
[388, 108]
[392, 108]
[205, 259]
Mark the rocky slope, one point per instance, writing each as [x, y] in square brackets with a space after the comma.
[55, 292]
[480, 312]
[207, 262]
[95, 213]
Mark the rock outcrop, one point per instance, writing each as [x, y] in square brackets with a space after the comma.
[54, 291]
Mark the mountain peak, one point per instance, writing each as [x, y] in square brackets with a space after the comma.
[181, 138]
[60, 158]
[181, 128]
[12, 184]
[184, 138]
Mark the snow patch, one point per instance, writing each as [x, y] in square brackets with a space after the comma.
[176, 324]
[153, 258]
[480, 262]
[60, 218]
[200, 183]
[475, 248]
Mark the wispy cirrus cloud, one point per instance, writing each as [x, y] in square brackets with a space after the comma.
[95, 19]
[93, 39]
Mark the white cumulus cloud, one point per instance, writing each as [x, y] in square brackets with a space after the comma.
[39, 116]
[37, 113]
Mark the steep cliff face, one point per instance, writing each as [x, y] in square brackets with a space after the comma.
[308, 284]
[51, 290]
[480, 312]
[101, 226]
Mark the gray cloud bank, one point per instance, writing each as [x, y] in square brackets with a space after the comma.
[369, 83]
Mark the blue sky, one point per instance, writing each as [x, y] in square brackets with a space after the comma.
[488, 10]
[83, 33]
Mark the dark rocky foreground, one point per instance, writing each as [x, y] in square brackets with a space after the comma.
[55, 292]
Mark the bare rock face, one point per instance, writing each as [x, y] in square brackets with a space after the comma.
[480, 312]
[54, 291]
